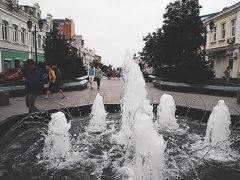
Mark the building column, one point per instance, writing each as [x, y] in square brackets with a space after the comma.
[236, 65]
[30, 46]
[234, 69]
[208, 38]
[1, 62]
[238, 27]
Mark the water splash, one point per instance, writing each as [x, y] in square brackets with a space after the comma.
[98, 116]
[57, 141]
[134, 93]
[166, 113]
[137, 131]
[216, 143]
[218, 126]
[150, 147]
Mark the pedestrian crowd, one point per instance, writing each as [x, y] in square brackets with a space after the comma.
[34, 82]
[36, 77]
[112, 72]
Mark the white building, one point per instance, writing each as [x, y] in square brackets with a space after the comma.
[88, 55]
[223, 43]
[16, 42]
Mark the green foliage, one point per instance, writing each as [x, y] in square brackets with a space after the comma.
[176, 48]
[59, 52]
[102, 66]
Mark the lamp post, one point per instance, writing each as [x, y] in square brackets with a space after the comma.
[211, 26]
[40, 25]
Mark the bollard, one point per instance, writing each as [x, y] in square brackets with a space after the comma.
[238, 97]
[4, 98]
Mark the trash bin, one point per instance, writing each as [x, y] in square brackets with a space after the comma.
[238, 97]
[4, 98]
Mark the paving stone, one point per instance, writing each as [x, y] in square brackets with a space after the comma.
[112, 92]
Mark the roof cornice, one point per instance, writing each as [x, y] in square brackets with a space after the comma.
[231, 9]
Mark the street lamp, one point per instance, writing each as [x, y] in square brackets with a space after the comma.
[211, 26]
[40, 25]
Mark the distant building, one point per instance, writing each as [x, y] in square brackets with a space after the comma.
[223, 43]
[66, 27]
[78, 40]
[17, 44]
[98, 58]
[88, 55]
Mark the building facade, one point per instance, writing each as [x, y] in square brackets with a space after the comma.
[223, 41]
[88, 55]
[17, 43]
[66, 27]
[98, 58]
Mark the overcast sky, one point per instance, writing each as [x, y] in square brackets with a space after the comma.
[113, 26]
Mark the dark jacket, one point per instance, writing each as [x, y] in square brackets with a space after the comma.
[33, 82]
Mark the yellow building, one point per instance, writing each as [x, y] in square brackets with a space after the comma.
[223, 41]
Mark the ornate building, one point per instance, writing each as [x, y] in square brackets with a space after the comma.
[223, 41]
[17, 43]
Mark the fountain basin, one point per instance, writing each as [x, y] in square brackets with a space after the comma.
[96, 156]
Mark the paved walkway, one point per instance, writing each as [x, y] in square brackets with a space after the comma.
[112, 91]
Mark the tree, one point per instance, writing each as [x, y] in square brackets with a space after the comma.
[59, 52]
[102, 66]
[176, 48]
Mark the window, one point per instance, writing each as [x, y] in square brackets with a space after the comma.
[23, 36]
[233, 27]
[33, 40]
[223, 31]
[17, 63]
[39, 41]
[6, 64]
[5, 28]
[15, 33]
[214, 34]
[230, 63]
[31, 12]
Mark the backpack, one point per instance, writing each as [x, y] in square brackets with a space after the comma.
[41, 83]
[58, 74]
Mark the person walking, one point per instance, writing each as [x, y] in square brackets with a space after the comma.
[53, 83]
[114, 73]
[109, 72]
[32, 85]
[227, 74]
[91, 74]
[98, 76]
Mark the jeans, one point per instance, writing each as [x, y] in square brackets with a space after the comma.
[98, 82]
[30, 102]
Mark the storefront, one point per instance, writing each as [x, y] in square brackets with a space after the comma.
[12, 60]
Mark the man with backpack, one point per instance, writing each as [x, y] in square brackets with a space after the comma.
[55, 80]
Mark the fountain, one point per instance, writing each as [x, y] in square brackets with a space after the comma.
[216, 143]
[57, 141]
[122, 145]
[134, 94]
[98, 116]
[137, 130]
[166, 113]
[218, 126]
[149, 147]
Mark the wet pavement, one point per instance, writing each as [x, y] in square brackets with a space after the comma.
[112, 92]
